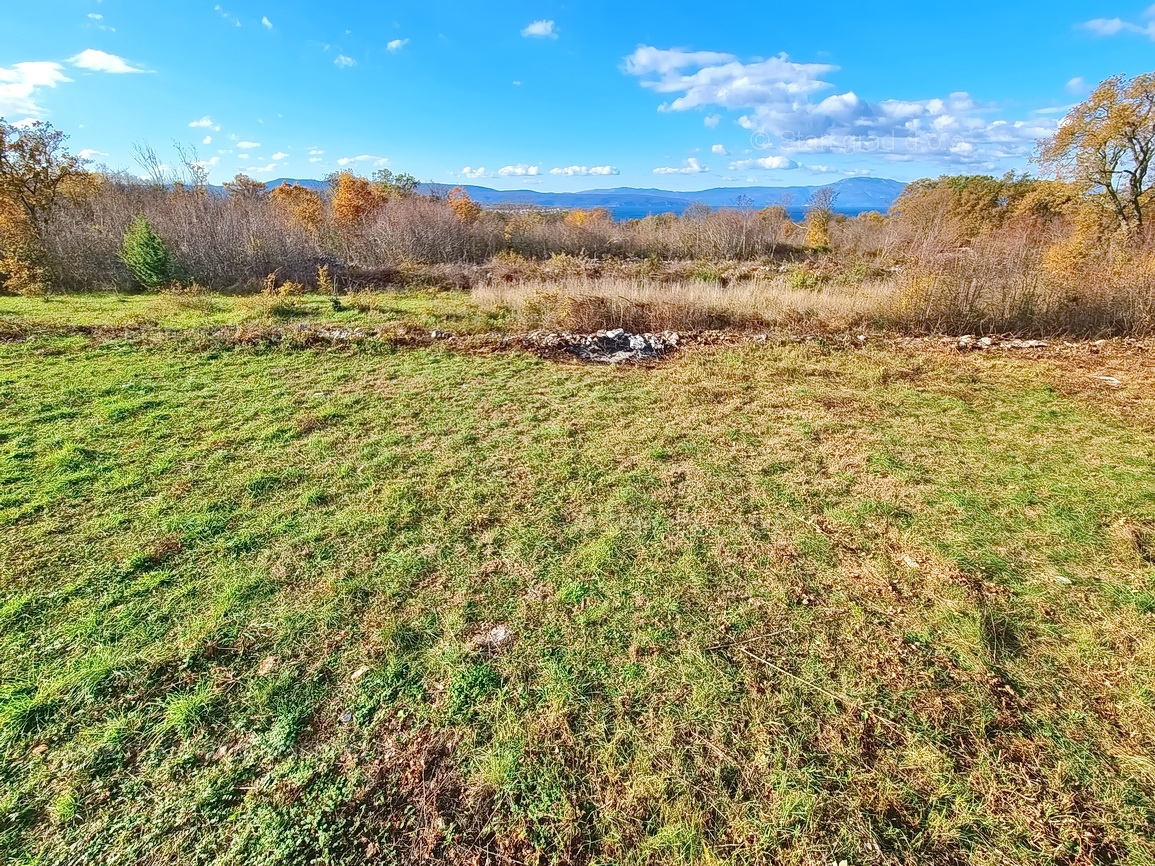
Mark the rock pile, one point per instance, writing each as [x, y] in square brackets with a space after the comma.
[612, 347]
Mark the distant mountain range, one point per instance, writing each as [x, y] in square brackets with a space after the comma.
[855, 195]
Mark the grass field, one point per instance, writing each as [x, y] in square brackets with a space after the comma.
[759, 603]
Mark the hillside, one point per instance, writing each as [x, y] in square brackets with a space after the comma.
[855, 195]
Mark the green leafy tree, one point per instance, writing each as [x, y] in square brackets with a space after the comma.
[396, 184]
[146, 256]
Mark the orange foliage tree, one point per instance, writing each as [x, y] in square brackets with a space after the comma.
[300, 205]
[355, 199]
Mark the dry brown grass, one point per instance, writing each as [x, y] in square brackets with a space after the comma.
[577, 304]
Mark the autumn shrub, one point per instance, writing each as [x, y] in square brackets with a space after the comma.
[300, 206]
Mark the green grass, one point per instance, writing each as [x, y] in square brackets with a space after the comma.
[768, 604]
[55, 313]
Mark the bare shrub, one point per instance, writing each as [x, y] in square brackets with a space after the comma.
[220, 241]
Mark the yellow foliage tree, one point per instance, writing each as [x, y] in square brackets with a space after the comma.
[35, 174]
[962, 207]
[819, 215]
[1106, 144]
[467, 210]
[581, 218]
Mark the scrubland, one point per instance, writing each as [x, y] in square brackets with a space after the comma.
[306, 558]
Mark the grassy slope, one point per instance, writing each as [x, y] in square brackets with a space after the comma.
[767, 603]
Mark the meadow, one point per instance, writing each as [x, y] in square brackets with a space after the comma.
[798, 601]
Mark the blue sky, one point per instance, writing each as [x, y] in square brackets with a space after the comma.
[566, 96]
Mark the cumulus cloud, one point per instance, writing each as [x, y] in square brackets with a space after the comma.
[692, 166]
[519, 170]
[788, 108]
[1078, 86]
[264, 169]
[377, 161]
[267, 23]
[344, 62]
[397, 44]
[248, 145]
[280, 155]
[205, 122]
[316, 151]
[720, 149]
[211, 162]
[19, 85]
[768, 163]
[89, 153]
[711, 121]
[583, 171]
[474, 173]
[208, 139]
[95, 60]
[540, 30]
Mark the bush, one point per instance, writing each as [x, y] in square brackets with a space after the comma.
[145, 255]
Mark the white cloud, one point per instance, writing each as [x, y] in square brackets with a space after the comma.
[211, 162]
[267, 23]
[583, 171]
[316, 159]
[711, 121]
[1115, 26]
[265, 169]
[232, 19]
[519, 170]
[343, 62]
[101, 61]
[242, 156]
[720, 149]
[1105, 26]
[205, 122]
[248, 145]
[378, 161]
[474, 173]
[280, 155]
[769, 163]
[692, 166]
[1077, 86]
[397, 44]
[540, 30]
[208, 139]
[89, 153]
[95, 16]
[785, 109]
[19, 85]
